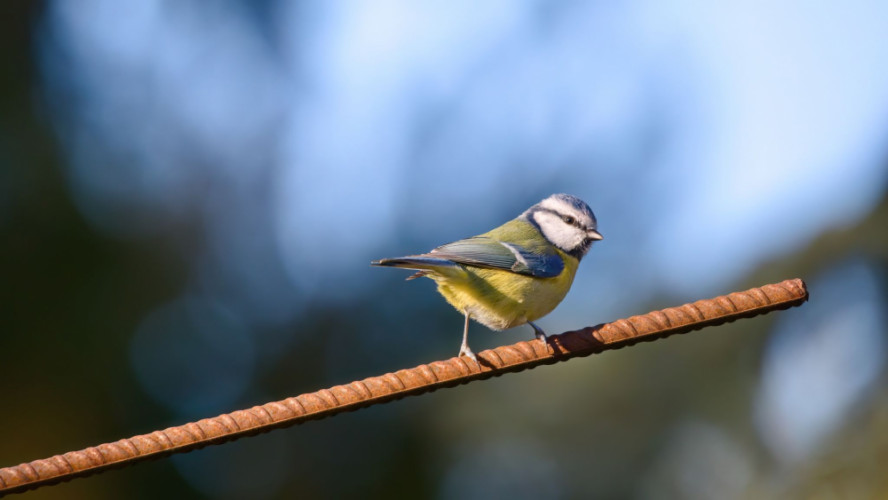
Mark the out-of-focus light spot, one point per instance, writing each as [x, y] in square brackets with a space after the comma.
[513, 468]
[821, 361]
[194, 356]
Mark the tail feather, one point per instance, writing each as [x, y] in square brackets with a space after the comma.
[417, 274]
[422, 263]
[415, 262]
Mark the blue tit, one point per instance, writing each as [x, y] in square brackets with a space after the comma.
[514, 274]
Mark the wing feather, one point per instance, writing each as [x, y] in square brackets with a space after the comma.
[483, 251]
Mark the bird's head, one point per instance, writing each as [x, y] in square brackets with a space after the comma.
[566, 222]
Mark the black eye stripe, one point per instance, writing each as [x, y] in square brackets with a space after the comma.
[563, 217]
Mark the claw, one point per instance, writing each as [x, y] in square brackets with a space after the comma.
[540, 334]
[465, 350]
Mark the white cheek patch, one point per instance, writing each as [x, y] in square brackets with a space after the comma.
[565, 236]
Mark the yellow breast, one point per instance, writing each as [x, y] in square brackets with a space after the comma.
[501, 299]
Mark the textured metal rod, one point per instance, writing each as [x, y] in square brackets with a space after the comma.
[424, 378]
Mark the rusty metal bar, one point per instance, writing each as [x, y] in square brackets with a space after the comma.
[424, 378]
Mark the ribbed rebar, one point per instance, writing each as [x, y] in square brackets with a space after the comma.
[391, 386]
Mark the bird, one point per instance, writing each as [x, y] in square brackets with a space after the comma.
[514, 274]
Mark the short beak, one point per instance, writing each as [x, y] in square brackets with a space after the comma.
[595, 235]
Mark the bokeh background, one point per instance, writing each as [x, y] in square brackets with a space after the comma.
[191, 192]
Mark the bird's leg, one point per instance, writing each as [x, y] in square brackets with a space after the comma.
[540, 334]
[464, 348]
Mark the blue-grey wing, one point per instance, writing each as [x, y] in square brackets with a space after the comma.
[482, 251]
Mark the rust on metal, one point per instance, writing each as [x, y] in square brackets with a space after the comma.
[402, 383]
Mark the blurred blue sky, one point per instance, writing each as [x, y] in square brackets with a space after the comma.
[305, 139]
[333, 128]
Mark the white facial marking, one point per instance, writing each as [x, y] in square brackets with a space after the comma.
[562, 207]
[564, 223]
[563, 235]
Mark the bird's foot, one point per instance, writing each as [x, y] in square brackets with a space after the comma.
[540, 334]
[465, 350]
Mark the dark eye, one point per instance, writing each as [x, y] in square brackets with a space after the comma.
[568, 219]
